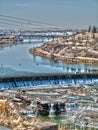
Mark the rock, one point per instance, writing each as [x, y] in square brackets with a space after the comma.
[46, 126]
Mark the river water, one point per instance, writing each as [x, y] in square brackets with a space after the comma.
[16, 58]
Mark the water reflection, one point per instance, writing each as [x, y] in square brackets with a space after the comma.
[17, 57]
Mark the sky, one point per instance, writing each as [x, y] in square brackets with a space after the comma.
[66, 13]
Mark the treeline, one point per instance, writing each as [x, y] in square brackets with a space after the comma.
[92, 29]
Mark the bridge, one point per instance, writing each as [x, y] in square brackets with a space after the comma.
[49, 34]
[40, 36]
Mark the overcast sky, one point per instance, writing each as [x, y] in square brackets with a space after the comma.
[67, 13]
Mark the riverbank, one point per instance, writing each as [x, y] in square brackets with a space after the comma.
[5, 40]
[77, 48]
[20, 109]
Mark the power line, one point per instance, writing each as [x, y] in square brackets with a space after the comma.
[14, 25]
[3, 25]
[31, 21]
[20, 22]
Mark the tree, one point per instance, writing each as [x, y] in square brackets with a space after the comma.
[89, 29]
[94, 29]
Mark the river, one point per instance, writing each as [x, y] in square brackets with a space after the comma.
[18, 59]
